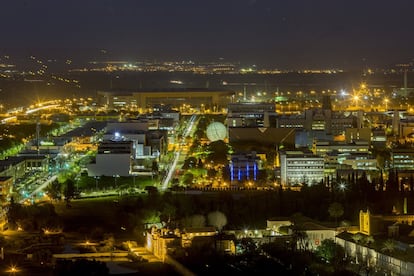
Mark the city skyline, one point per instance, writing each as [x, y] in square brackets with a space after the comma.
[283, 34]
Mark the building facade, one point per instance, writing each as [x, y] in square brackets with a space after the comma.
[300, 168]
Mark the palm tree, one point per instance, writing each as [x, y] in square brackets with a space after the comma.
[357, 237]
[54, 190]
[369, 240]
[389, 246]
[299, 238]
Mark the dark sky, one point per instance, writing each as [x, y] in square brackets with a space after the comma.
[282, 33]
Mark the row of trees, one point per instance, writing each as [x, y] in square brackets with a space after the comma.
[61, 190]
[32, 217]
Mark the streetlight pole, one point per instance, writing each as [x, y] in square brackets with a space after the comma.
[96, 182]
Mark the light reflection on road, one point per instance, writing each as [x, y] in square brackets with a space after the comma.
[177, 154]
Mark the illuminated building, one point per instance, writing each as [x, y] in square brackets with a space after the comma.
[359, 161]
[147, 143]
[383, 228]
[251, 115]
[298, 167]
[112, 159]
[132, 144]
[214, 99]
[322, 119]
[402, 158]
[323, 147]
[18, 166]
[244, 167]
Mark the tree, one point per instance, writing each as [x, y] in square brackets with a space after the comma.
[14, 213]
[357, 237]
[69, 191]
[154, 167]
[168, 212]
[217, 219]
[54, 190]
[336, 210]
[108, 242]
[248, 246]
[369, 240]
[188, 178]
[189, 163]
[151, 217]
[299, 238]
[388, 246]
[218, 153]
[329, 251]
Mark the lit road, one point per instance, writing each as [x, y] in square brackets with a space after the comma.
[40, 107]
[40, 188]
[177, 154]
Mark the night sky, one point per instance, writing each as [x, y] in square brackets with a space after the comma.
[284, 34]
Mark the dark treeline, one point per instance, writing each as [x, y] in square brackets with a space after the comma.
[252, 208]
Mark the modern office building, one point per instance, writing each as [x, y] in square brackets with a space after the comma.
[18, 166]
[214, 100]
[323, 147]
[326, 120]
[114, 158]
[248, 114]
[358, 161]
[147, 142]
[402, 158]
[300, 168]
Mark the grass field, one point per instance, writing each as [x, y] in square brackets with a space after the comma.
[86, 215]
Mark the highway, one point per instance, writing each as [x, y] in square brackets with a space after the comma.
[172, 168]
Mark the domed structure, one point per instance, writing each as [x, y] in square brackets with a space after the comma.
[216, 131]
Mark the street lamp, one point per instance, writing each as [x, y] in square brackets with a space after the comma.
[356, 99]
[115, 179]
[13, 270]
[96, 182]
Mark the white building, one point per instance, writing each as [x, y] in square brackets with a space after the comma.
[113, 159]
[298, 167]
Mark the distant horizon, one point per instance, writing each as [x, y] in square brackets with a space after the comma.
[85, 55]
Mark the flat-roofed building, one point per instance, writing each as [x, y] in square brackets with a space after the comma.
[402, 158]
[298, 167]
[112, 159]
[251, 115]
[359, 160]
[13, 166]
[317, 119]
[176, 98]
[322, 147]
[147, 143]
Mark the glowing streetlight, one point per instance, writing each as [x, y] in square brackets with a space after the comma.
[386, 100]
[355, 99]
[13, 270]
